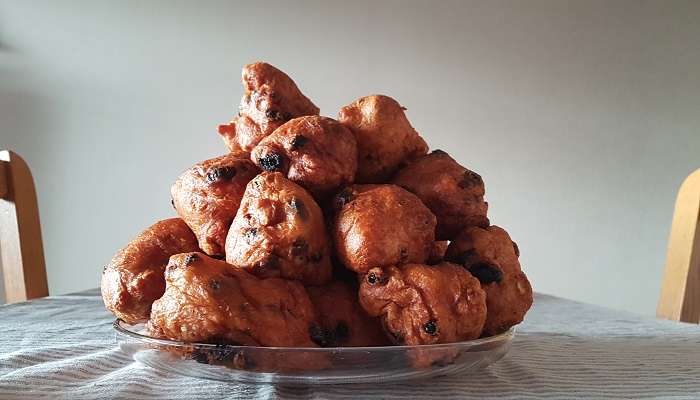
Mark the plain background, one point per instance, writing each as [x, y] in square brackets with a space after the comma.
[582, 117]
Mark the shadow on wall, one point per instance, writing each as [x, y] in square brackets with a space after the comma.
[4, 47]
[23, 119]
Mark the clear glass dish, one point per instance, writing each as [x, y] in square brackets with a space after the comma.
[293, 365]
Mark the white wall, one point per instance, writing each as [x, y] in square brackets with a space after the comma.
[583, 117]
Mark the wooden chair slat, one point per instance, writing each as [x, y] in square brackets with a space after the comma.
[21, 247]
[680, 289]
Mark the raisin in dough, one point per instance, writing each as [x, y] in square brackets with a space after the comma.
[422, 304]
[207, 197]
[342, 322]
[453, 193]
[270, 99]
[492, 257]
[208, 300]
[318, 153]
[279, 231]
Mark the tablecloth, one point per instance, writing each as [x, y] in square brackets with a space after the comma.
[63, 347]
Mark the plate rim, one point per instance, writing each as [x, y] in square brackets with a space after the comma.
[117, 325]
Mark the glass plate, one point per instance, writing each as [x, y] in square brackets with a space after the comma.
[294, 365]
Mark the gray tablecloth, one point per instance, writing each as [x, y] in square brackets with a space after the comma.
[64, 347]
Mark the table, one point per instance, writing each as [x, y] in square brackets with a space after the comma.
[63, 347]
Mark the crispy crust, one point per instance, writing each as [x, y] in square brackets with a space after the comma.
[210, 301]
[421, 304]
[134, 277]
[453, 193]
[492, 256]
[385, 138]
[318, 153]
[437, 252]
[378, 225]
[279, 232]
[270, 99]
[341, 319]
[207, 197]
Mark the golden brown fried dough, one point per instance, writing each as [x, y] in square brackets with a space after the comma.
[491, 256]
[134, 277]
[385, 138]
[279, 232]
[270, 99]
[437, 252]
[315, 152]
[207, 197]
[208, 300]
[421, 304]
[342, 322]
[378, 225]
[453, 193]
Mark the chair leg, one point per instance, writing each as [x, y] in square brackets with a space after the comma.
[22, 252]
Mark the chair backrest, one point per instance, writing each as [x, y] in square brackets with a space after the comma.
[680, 290]
[21, 248]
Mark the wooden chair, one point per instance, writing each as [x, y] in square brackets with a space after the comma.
[680, 291]
[21, 249]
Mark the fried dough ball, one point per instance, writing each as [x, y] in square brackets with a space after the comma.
[378, 225]
[385, 138]
[342, 322]
[279, 232]
[134, 277]
[207, 197]
[270, 99]
[453, 193]
[207, 300]
[421, 304]
[318, 153]
[492, 257]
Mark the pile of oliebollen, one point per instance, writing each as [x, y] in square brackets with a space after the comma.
[321, 232]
